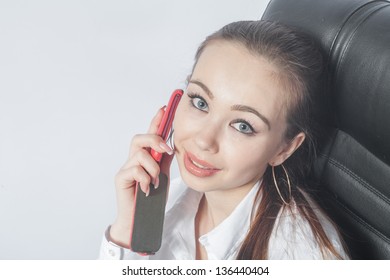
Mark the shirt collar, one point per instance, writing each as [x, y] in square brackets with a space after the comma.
[220, 243]
[224, 240]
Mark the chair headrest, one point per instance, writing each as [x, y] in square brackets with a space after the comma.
[355, 38]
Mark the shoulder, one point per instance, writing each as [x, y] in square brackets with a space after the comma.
[293, 237]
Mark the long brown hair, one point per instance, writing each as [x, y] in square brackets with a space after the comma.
[300, 69]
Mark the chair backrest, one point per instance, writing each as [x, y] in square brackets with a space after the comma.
[354, 160]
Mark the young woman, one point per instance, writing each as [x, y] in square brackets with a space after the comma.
[243, 140]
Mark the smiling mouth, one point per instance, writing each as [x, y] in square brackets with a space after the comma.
[199, 167]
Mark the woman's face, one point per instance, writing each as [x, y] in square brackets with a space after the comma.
[230, 122]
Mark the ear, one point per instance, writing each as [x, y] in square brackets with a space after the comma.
[288, 149]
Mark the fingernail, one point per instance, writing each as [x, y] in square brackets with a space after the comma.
[147, 191]
[166, 148]
[156, 183]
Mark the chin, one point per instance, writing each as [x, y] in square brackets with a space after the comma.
[195, 183]
[200, 184]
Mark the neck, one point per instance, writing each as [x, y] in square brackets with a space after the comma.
[218, 205]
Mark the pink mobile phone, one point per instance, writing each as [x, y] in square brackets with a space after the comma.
[149, 211]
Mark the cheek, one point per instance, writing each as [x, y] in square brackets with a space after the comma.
[177, 121]
[182, 122]
[248, 156]
[243, 156]
[244, 163]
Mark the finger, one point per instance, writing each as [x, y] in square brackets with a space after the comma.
[146, 161]
[146, 141]
[153, 128]
[127, 179]
[143, 179]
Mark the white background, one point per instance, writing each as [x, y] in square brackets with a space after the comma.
[78, 79]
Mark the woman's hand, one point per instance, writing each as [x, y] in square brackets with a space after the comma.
[139, 167]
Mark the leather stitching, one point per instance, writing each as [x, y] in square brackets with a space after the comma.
[359, 180]
[351, 213]
[363, 223]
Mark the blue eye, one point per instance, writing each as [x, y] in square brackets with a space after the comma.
[198, 102]
[243, 127]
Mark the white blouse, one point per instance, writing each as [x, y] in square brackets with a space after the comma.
[291, 238]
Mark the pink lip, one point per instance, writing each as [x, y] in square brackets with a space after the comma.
[197, 167]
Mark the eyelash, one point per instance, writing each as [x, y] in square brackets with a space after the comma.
[253, 132]
[192, 96]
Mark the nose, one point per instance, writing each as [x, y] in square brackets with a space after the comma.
[207, 138]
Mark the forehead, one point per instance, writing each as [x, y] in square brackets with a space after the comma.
[231, 71]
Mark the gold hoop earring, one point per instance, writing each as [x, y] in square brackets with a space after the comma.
[277, 187]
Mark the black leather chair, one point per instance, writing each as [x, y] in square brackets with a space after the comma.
[354, 160]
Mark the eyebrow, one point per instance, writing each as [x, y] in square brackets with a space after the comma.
[204, 87]
[242, 108]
